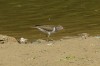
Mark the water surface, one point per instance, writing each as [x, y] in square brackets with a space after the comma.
[76, 16]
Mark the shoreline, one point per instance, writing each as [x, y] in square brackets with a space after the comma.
[70, 51]
[8, 39]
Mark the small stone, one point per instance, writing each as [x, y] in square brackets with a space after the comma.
[49, 44]
[23, 40]
[84, 35]
[7, 39]
[41, 41]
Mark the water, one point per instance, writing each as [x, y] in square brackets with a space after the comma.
[77, 16]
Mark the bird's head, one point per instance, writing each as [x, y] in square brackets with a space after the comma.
[59, 27]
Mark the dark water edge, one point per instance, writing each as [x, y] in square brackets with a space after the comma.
[76, 16]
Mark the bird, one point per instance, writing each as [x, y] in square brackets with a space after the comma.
[48, 29]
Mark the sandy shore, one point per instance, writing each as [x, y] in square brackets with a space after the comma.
[66, 52]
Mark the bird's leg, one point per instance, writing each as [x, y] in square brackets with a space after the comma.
[49, 34]
[49, 39]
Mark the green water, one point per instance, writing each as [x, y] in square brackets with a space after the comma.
[76, 16]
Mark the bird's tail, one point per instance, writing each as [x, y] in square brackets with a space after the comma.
[35, 26]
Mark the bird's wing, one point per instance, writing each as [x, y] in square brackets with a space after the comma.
[46, 27]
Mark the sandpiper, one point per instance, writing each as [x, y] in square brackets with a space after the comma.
[48, 29]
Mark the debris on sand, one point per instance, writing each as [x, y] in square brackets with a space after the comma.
[7, 39]
[84, 35]
[23, 40]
